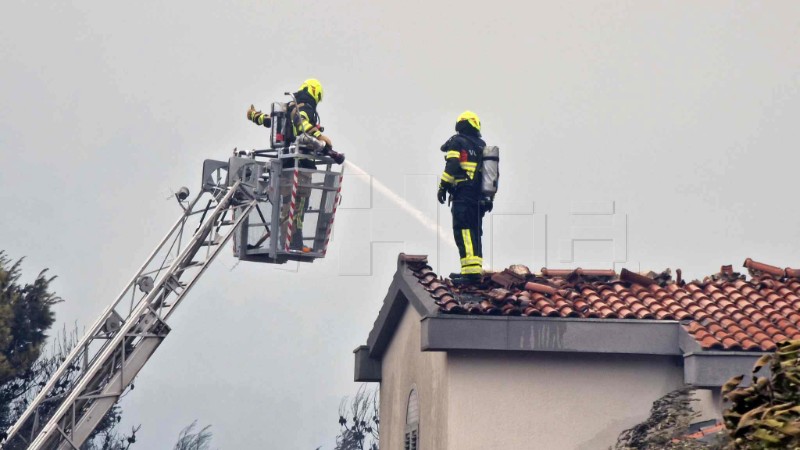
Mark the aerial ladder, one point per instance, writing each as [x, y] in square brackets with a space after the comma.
[255, 199]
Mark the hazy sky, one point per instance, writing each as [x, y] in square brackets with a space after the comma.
[682, 115]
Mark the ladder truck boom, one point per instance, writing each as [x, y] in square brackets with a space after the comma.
[250, 199]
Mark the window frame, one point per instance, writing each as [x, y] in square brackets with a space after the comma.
[411, 431]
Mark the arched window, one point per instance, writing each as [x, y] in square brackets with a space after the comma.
[412, 421]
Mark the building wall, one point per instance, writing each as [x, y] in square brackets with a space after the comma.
[403, 367]
[707, 405]
[550, 401]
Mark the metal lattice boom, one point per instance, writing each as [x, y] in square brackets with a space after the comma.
[105, 361]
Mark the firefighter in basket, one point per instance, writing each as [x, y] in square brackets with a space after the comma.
[304, 129]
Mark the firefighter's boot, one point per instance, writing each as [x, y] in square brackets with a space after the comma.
[465, 279]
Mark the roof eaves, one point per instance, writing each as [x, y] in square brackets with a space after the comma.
[404, 290]
[715, 368]
[545, 334]
[590, 336]
[366, 369]
[388, 318]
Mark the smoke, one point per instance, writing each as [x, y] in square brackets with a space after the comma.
[444, 235]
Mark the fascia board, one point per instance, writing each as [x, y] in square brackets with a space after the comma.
[651, 337]
[366, 369]
[715, 368]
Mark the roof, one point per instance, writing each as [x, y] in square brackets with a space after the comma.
[726, 311]
[716, 327]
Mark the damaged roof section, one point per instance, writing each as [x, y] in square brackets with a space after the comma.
[724, 311]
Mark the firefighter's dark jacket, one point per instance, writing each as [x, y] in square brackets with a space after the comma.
[309, 119]
[463, 156]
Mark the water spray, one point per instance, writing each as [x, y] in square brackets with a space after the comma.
[444, 236]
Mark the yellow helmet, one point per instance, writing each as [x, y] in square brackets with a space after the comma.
[470, 117]
[313, 87]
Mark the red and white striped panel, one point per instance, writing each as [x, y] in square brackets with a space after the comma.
[292, 205]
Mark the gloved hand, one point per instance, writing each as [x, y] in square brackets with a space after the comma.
[442, 194]
[251, 113]
[326, 140]
[486, 205]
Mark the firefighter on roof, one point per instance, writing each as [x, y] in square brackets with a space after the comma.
[462, 180]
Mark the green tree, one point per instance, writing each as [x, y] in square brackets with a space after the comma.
[766, 413]
[25, 317]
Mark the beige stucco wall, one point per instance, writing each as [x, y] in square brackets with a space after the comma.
[518, 400]
[523, 400]
[707, 405]
[404, 366]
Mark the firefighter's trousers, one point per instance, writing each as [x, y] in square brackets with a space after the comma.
[468, 230]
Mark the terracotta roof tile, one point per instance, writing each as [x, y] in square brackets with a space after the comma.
[509, 278]
[710, 343]
[723, 311]
[758, 268]
[703, 432]
[541, 288]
